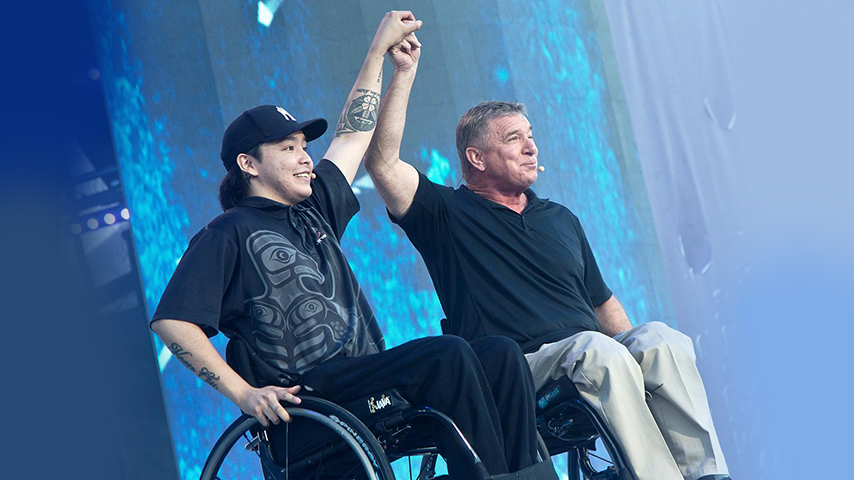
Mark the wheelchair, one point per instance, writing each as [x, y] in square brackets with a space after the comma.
[361, 439]
[327, 441]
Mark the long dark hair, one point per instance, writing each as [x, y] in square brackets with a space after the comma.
[235, 185]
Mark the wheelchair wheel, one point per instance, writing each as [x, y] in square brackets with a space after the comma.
[322, 441]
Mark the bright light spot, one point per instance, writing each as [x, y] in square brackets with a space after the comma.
[76, 228]
[109, 219]
[265, 16]
[94, 74]
[502, 74]
[92, 224]
[163, 358]
[126, 214]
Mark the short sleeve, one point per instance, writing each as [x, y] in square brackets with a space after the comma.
[426, 221]
[427, 205]
[198, 288]
[596, 287]
[332, 196]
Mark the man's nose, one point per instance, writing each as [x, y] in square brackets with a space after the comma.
[306, 159]
[530, 147]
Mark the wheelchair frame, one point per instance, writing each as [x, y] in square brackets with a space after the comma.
[372, 450]
[565, 423]
[568, 424]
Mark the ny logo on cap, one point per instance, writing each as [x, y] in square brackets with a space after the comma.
[286, 114]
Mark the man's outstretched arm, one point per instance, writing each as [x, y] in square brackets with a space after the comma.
[190, 346]
[395, 180]
[359, 117]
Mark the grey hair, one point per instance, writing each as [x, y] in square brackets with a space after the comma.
[472, 131]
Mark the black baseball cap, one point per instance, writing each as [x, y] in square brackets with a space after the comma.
[262, 124]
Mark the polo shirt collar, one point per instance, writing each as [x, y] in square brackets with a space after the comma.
[264, 203]
[533, 200]
[273, 208]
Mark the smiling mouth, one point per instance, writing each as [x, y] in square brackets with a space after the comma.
[302, 175]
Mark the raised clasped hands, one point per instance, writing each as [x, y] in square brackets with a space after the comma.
[405, 54]
[395, 28]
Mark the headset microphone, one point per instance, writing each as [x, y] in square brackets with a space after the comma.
[541, 168]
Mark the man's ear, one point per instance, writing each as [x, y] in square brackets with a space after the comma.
[475, 158]
[246, 163]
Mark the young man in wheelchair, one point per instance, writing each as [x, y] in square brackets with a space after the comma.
[269, 273]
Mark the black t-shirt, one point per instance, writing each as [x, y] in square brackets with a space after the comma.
[531, 277]
[273, 277]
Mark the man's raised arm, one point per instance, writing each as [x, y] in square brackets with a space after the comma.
[359, 118]
[395, 180]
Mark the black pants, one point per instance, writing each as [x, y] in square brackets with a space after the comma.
[485, 387]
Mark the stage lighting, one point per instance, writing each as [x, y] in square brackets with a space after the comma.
[266, 11]
[76, 228]
[109, 219]
[92, 224]
[126, 214]
[265, 16]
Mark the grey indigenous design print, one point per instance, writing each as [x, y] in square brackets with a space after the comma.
[298, 322]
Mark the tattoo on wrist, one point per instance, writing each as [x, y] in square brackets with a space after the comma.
[209, 377]
[360, 115]
[181, 354]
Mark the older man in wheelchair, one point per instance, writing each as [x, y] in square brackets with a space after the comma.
[270, 274]
[507, 262]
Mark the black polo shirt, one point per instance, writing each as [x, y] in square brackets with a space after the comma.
[273, 278]
[531, 277]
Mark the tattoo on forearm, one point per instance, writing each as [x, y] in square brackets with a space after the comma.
[181, 354]
[360, 115]
[380, 76]
[209, 377]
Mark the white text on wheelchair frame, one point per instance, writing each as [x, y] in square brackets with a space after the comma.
[376, 405]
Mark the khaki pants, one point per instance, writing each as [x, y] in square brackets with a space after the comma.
[667, 437]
